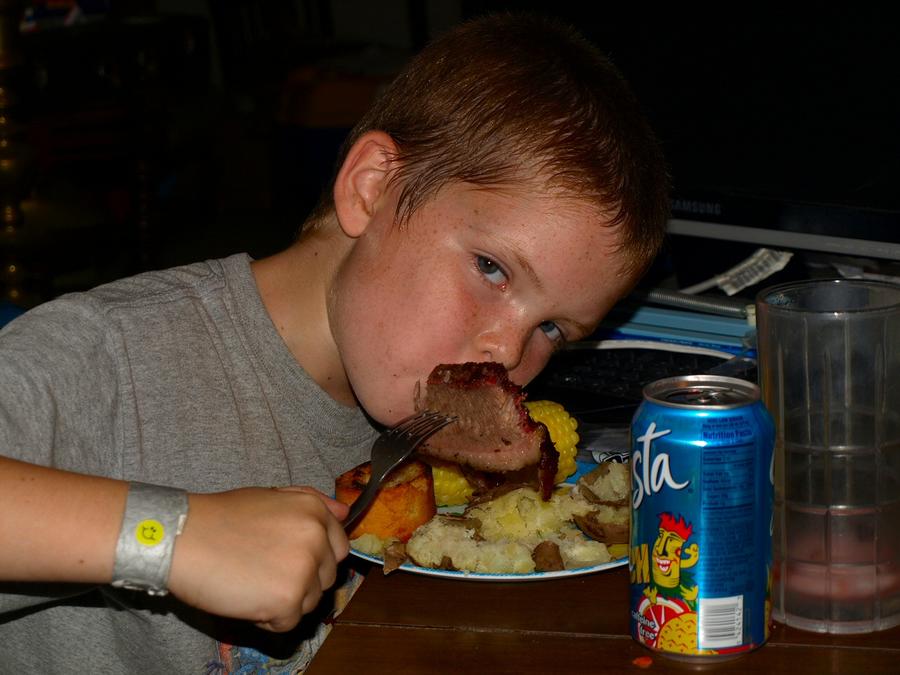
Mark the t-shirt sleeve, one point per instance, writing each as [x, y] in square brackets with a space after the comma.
[58, 398]
[60, 388]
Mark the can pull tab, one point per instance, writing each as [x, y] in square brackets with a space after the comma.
[704, 396]
[702, 391]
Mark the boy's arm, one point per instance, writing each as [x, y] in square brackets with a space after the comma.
[261, 554]
[57, 525]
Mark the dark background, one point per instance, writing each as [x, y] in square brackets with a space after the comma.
[147, 134]
[154, 133]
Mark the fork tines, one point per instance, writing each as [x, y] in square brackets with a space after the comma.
[423, 422]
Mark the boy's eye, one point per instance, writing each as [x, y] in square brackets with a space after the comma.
[491, 270]
[552, 331]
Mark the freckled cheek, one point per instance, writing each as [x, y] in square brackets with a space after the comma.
[414, 331]
[455, 322]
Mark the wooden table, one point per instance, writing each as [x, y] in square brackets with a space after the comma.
[406, 623]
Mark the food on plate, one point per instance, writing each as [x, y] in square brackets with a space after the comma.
[562, 427]
[502, 458]
[453, 488]
[547, 557]
[450, 485]
[608, 485]
[405, 501]
[519, 532]
[445, 543]
[494, 438]
[608, 490]
[493, 431]
[501, 535]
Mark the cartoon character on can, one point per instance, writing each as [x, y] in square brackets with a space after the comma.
[667, 614]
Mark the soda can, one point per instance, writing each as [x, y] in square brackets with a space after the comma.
[701, 522]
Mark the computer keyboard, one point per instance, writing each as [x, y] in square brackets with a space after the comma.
[606, 385]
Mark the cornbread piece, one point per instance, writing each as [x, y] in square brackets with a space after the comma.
[405, 501]
[493, 432]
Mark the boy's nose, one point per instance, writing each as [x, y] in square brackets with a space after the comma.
[505, 346]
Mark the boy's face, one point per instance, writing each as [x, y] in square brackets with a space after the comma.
[476, 275]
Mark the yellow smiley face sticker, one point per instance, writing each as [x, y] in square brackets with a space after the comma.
[149, 532]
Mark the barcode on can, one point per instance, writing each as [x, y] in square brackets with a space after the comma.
[721, 622]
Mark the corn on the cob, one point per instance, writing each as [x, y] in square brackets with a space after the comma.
[561, 426]
[451, 487]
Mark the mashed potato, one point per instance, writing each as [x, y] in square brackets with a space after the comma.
[499, 536]
[509, 528]
[442, 538]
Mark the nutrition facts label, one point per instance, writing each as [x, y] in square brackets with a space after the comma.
[727, 501]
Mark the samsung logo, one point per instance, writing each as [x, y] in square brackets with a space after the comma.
[697, 207]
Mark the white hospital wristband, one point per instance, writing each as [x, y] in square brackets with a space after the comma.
[154, 516]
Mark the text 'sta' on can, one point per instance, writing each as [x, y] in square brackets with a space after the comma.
[701, 519]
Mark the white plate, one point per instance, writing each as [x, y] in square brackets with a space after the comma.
[583, 467]
[481, 576]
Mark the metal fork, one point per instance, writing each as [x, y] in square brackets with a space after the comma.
[391, 448]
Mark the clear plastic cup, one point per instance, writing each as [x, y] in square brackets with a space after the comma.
[829, 357]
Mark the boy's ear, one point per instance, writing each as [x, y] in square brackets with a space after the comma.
[362, 180]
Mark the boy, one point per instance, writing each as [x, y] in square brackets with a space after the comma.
[494, 204]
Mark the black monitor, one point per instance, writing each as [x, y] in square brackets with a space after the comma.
[781, 130]
[781, 126]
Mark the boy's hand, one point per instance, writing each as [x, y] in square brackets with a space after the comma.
[265, 555]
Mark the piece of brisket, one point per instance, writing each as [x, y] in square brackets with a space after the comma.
[493, 432]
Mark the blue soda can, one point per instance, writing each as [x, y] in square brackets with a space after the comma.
[701, 519]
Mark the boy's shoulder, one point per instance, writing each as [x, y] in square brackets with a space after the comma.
[133, 301]
[160, 286]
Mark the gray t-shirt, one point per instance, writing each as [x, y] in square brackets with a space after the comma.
[176, 377]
